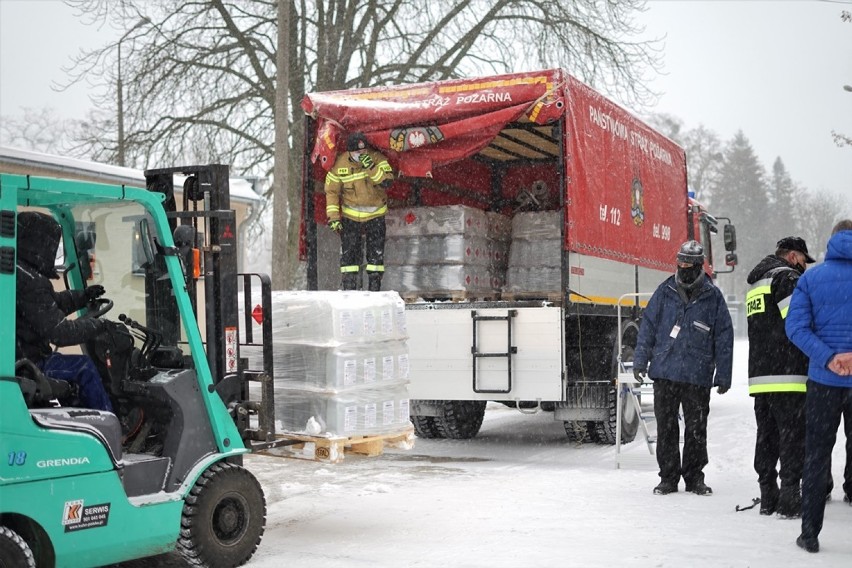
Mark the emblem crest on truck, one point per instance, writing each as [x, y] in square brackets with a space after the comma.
[637, 202]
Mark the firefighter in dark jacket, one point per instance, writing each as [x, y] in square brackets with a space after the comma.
[685, 344]
[777, 378]
[356, 201]
[41, 312]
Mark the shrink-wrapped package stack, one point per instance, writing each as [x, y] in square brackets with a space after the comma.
[535, 253]
[340, 363]
[445, 250]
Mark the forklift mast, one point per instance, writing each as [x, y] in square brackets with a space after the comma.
[205, 231]
[206, 210]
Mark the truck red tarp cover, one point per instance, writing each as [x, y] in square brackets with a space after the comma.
[626, 192]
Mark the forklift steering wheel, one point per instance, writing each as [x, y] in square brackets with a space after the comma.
[98, 307]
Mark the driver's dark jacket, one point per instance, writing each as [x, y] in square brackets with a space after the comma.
[41, 315]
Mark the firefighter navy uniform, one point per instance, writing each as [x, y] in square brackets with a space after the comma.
[777, 379]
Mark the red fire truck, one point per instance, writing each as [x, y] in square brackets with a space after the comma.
[582, 202]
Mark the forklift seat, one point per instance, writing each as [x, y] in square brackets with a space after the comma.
[39, 389]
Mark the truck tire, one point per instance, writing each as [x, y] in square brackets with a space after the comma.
[425, 427]
[579, 431]
[605, 432]
[14, 550]
[460, 419]
[223, 517]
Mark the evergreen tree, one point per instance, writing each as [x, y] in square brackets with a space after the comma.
[783, 190]
[741, 193]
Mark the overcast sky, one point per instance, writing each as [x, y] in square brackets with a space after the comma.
[774, 69]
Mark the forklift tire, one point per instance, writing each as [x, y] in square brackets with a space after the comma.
[14, 550]
[425, 427]
[223, 518]
[461, 419]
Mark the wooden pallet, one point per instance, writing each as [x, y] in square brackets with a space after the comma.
[448, 296]
[332, 449]
[549, 296]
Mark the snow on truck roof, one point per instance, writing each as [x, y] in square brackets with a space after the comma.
[15, 160]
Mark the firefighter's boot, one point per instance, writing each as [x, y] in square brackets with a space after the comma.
[768, 498]
[789, 502]
[375, 281]
[350, 280]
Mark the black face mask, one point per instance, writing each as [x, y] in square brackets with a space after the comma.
[689, 275]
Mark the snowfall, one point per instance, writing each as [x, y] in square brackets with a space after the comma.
[521, 495]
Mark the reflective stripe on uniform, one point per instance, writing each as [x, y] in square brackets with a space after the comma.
[364, 215]
[784, 306]
[350, 268]
[755, 301]
[777, 383]
[375, 268]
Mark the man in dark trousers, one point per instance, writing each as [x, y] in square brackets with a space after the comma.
[41, 312]
[356, 200]
[687, 337]
[820, 324]
[777, 378]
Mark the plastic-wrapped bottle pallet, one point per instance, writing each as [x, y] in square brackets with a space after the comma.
[535, 253]
[445, 250]
[340, 362]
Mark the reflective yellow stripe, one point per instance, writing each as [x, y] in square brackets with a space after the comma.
[354, 177]
[755, 301]
[331, 178]
[784, 306]
[777, 383]
[792, 387]
[364, 215]
[350, 268]
[375, 268]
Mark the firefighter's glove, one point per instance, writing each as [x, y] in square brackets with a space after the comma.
[94, 292]
[335, 225]
[639, 375]
[722, 389]
[366, 161]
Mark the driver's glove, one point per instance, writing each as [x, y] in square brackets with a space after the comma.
[639, 375]
[95, 291]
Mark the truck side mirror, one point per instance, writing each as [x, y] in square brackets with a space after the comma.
[730, 236]
[731, 259]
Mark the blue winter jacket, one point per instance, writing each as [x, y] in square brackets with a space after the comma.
[703, 343]
[819, 321]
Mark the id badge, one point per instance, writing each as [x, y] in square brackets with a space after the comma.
[675, 331]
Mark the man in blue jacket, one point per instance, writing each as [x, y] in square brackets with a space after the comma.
[820, 324]
[687, 337]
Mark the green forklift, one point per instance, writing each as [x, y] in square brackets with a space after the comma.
[163, 471]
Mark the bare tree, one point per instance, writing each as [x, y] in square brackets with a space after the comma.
[200, 75]
[817, 213]
[703, 152]
[39, 129]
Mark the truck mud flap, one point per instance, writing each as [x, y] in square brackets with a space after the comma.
[585, 401]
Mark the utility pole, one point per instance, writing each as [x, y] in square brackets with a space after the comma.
[281, 166]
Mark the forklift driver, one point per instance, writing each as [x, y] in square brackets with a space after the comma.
[41, 312]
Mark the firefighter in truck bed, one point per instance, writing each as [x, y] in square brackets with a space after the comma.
[356, 205]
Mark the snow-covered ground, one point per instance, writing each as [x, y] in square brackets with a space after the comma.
[519, 494]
